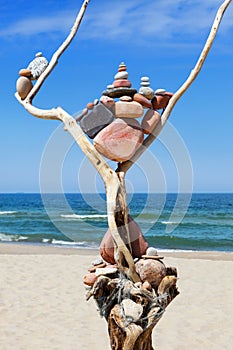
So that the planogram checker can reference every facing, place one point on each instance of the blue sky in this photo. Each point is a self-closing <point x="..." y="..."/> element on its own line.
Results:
<point x="160" y="39"/>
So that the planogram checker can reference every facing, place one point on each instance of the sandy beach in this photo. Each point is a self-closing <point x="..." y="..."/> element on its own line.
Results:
<point x="43" y="306"/>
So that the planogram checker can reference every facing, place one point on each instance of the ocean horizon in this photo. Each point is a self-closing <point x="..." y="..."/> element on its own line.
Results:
<point x="198" y="221"/>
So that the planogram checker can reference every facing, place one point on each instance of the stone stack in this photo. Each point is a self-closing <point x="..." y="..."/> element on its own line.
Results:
<point x="121" y="86"/>
<point x="111" y="121"/>
<point x="145" y="88"/>
<point x="121" y="78"/>
<point x="35" y="68"/>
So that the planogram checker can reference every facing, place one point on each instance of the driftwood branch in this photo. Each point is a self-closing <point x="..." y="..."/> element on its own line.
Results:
<point x="125" y="166"/>
<point x="121" y="296"/>
<point x="58" y="53"/>
<point x="110" y="178"/>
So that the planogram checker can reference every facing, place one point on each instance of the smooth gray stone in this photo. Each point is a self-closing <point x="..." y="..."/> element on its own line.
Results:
<point x="96" y="119"/>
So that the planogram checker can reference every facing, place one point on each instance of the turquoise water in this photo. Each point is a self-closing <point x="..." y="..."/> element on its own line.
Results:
<point x="80" y="220"/>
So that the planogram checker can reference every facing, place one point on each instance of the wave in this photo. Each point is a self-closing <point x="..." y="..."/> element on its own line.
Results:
<point x="38" y="239"/>
<point x="8" y="212"/>
<point x="12" y="238"/>
<point x="85" y="216"/>
<point x="170" y="222"/>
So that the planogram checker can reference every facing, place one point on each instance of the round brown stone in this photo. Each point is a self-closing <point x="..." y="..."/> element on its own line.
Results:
<point x="142" y="100"/>
<point x="25" y="72"/>
<point x="23" y="87"/>
<point x="90" y="278"/>
<point x="90" y="105"/>
<point x="138" y="243"/>
<point x="151" y="270"/>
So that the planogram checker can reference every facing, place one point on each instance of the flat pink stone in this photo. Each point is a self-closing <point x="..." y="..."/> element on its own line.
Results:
<point x="119" y="140"/>
<point x="124" y="109"/>
<point x="121" y="83"/>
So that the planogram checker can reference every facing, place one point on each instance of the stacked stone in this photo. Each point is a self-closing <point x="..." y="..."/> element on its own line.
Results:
<point x="112" y="124"/>
<point x="121" y="86"/>
<point x="161" y="99"/>
<point x="35" y="68"/>
<point x="121" y="78"/>
<point x="145" y="88"/>
<point x="120" y="140"/>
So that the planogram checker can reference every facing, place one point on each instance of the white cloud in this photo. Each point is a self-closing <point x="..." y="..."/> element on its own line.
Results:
<point x="59" y="22"/>
<point x="143" y="21"/>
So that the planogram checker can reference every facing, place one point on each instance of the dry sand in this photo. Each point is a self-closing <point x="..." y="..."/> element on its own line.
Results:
<point x="43" y="306"/>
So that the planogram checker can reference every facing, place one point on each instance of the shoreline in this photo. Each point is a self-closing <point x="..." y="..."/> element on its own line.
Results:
<point x="15" y="248"/>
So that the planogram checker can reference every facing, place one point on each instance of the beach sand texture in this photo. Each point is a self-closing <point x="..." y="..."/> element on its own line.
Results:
<point x="43" y="306"/>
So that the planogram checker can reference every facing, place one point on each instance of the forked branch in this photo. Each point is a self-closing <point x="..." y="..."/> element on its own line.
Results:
<point x="110" y="177"/>
<point x="125" y="166"/>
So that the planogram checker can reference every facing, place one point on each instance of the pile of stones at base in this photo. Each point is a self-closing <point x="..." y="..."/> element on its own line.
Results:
<point x="111" y="120"/>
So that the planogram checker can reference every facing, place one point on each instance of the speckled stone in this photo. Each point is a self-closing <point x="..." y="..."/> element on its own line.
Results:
<point x="119" y="140"/>
<point x="138" y="242"/>
<point x="37" y="66"/>
<point x="151" y="270"/>
<point x="150" y="120"/>
<point x="23" y="86"/>
<point x="124" y="109"/>
<point x="96" y="119"/>
<point x="142" y="100"/>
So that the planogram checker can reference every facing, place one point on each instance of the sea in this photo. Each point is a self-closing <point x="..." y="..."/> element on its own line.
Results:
<point x="197" y="222"/>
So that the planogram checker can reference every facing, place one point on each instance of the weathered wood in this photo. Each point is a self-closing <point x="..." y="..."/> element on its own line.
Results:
<point x="109" y="293"/>
<point x="128" y="328"/>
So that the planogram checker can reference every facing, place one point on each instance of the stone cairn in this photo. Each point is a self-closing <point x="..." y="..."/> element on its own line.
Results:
<point x="118" y="123"/>
<point x="112" y="123"/>
<point x="32" y="72"/>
